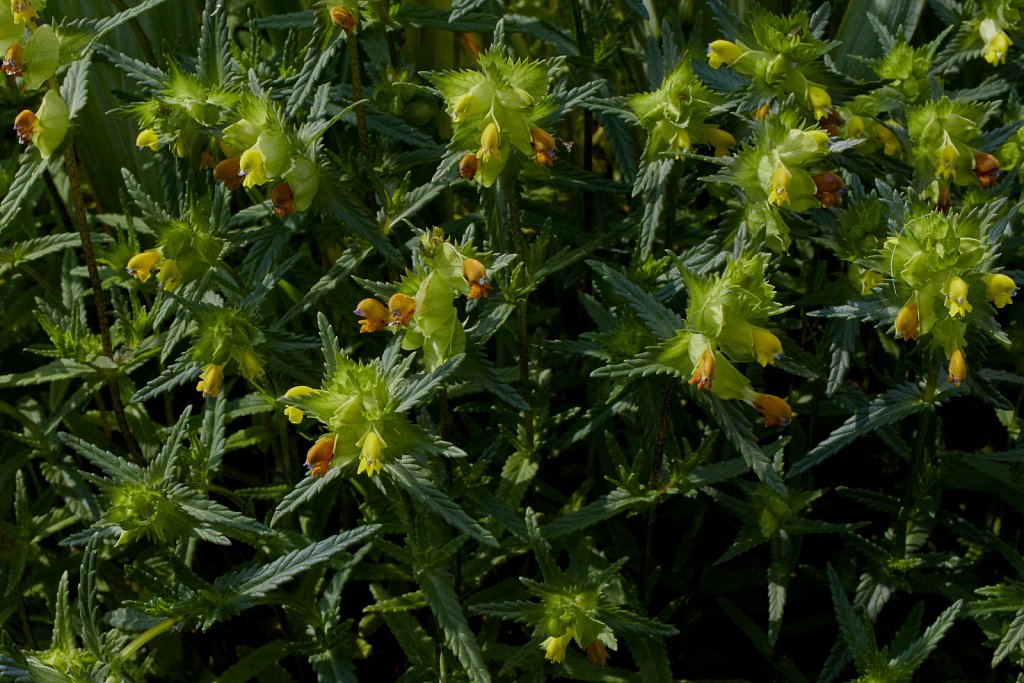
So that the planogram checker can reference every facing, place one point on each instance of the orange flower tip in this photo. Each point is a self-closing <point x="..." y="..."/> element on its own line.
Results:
<point x="704" y="371"/>
<point x="206" y="160"/>
<point x="13" y="64"/>
<point x="281" y="198"/>
<point x="375" y="315"/>
<point x="596" y="653"/>
<point x="319" y="456"/>
<point x="986" y="169"/>
<point x="401" y="307"/>
<point x="774" y="409"/>
<point x="476" y="275"/>
<point x="761" y="113"/>
<point x="957" y="367"/>
<point x="24" y="126"/>
<point x="343" y="19"/>
<point x="468" y="166"/>
<point x="227" y="172"/>
<point x="830" y="189"/>
<point x="543" y="146"/>
<point x="907" y="322"/>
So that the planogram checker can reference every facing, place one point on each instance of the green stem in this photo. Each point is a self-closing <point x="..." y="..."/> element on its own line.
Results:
<point x="71" y="167"/>
<point x="357" y="94"/>
<point x="588" y="117"/>
<point x="519" y="242"/>
<point x="148" y="635"/>
<point x="918" y="465"/>
<point x="657" y="464"/>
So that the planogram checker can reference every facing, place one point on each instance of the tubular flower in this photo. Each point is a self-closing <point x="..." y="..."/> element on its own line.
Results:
<point x="869" y="280"/>
<point x="24" y="126"/>
<point x="343" y="19"/>
<point x="206" y="160"/>
<point x="999" y="289"/>
<point x="723" y="52"/>
<point x="543" y="146"/>
<point x="169" y="275"/>
<point x="704" y="371"/>
<point x="319" y="456"/>
<point x="765" y="345"/>
<point x="229" y="173"/>
<point x="596" y="653"/>
<point x="467" y="166"/>
<point x="986" y="168"/>
<point x="141" y="265"/>
<point x="681" y="142"/>
<point x="947" y="159"/>
<point x="907" y="322"/>
<point x="761" y="113"/>
<point x="957" y="367"/>
<point x="281" y="198"/>
<point x="13" y="64"/>
<point x="210" y="380"/>
<point x="956" y="297"/>
<point x="293" y="413"/>
<point x="375" y="316"/>
<point x="476" y="275"/>
<point x="401" y="306"/>
<point x="490" y="139"/>
<point x="369" y="455"/>
<point x="829" y="189"/>
<point x="554" y="647"/>
<point x="888" y="141"/>
<point x="147" y="138"/>
<point x="778" y="192"/>
<point x="23" y="11"/>
<point x="461" y="106"/>
<point x="721" y="140"/>
<point x="820" y="100"/>
<point x="856" y="128"/>
<point x="997" y="43"/>
<point x="775" y="410"/>
<point x="252" y="168"/>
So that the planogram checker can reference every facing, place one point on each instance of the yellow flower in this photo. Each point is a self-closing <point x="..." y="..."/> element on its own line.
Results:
<point x="369" y="455"/>
<point x="210" y="380"/>
<point x="543" y="146"/>
<point x="461" y="106"/>
<point x="957" y="367"/>
<point x="294" y="413"/>
<point x="820" y="100"/>
<point x="869" y="280"/>
<point x="147" y="138"/>
<point x="490" y="140"/>
<point x="681" y="142"/>
<point x="25" y="126"/>
<point x="476" y="275"/>
<point x="554" y="648"/>
<point x="886" y="139"/>
<point x="23" y="11"/>
<point x="319" y="456"/>
<point x="704" y="371"/>
<point x="721" y="140"/>
<point x="997" y="43"/>
<point x="956" y="297"/>
<point x="778" y="193"/>
<point x="14" y="63"/>
<point x="375" y="316"/>
<point x="252" y="366"/>
<point x="765" y="345"/>
<point x="723" y="52"/>
<point x="907" y="322"/>
<point x="402" y="307"/>
<point x="948" y="155"/>
<point x="252" y="167"/>
<point x="856" y="128"/>
<point x="774" y="409"/>
<point x="169" y="275"/>
<point x="141" y="265"/>
<point x="999" y="289"/>
<point x="343" y="19"/>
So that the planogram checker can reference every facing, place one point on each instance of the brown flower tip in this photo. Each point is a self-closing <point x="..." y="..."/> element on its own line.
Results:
<point x="24" y="125"/>
<point x="596" y="653"/>
<point x="832" y="123"/>
<point x="468" y="166"/>
<point x="986" y="168"/>
<point x="375" y="316"/>
<point x="13" y="64"/>
<point x="476" y="275"/>
<point x="943" y="200"/>
<point x="206" y="160"/>
<point x="281" y="198"/>
<point x="543" y="146"/>
<point x="344" y="19"/>
<point x="829" y="189"/>
<point x="774" y="409"/>
<point x="319" y="456"/>
<point x="402" y="307"/>
<point x="227" y="172"/>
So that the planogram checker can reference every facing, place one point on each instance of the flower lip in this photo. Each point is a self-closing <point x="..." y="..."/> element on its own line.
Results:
<point x="986" y="169"/>
<point x="319" y="457"/>
<point x="999" y="289"/>
<point x="25" y="126"/>
<point x="210" y="380"/>
<point x="375" y="315"/>
<point x="13" y="64"/>
<point x="774" y="409"/>
<point x="704" y="371"/>
<point x="402" y="307"/>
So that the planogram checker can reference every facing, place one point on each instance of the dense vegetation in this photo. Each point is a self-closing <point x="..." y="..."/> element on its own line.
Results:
<point x="622" y="340"/>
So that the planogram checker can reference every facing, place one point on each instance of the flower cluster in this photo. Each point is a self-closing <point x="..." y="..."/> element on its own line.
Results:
<point x="497" y="110"/>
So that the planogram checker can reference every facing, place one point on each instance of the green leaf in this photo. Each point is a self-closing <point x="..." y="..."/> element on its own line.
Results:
<point x="412" y="392"/>
<point x="262" y="658"/>
<point x="30" y="170"/>
<point x="437" y="585"/>
<point x="303" y="492"/>
<point x="60" y="369"/>
<point x="112" y="465"/>
<point x="659" y="319"/>
<point x="606" y="507"/>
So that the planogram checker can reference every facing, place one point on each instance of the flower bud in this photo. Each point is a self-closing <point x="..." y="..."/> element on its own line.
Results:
<point x="375" y="316"/>
<point x="543" y="146"/>
<point x="907" y="322"/>
<point x="369" y="454"/>
<point x="761" y="113"/>
<point x="147" y="138"/>
<point x="723" y="52"/>
<point x="704" y="371"/>
<point x="141" y="265"/>
<point x="986" y="168"/>
<point x="476" y="275"/>
<point x="281" y="199"/>
<point x="319" y="457"/>
<point x="229" y="173"/>
<point x="956" y="296"/>
<point x="343" y="19"/>
<point x="774" y="409"/>
<point x="210" y="380"/>
<point x="467" y="166"/>
<point x="999" y="289"/>
<point x="766" y="346"/>
<point x="294" y="413"/>
<point x="829" y="189"/>
<point x="401" y="307"/>
<point x="957" y="367"/>
<point x="14" y="60"/>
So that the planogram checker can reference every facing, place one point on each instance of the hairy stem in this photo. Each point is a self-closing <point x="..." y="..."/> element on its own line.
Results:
<point x="146" y="636"/>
